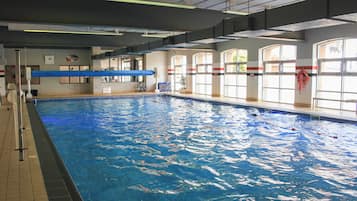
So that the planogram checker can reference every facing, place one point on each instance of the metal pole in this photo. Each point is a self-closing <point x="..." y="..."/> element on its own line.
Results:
<point x="19" y="106"/>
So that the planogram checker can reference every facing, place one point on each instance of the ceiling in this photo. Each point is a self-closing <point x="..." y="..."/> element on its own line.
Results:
<point x="130" y="20"/>
<point x="244" y="6"/>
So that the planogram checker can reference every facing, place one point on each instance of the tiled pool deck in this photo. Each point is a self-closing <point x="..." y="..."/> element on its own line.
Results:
<point x="19" y="180"/>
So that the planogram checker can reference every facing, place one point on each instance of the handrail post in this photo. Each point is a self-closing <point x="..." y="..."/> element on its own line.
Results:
<point x="19" y="106"/>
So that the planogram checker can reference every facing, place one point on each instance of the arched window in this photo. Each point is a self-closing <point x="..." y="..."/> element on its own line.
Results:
<point x="203" y="63"/>
<point x="279" y="73"/>
<point x="178" y="64"/>
<point x="235" y="77"/>
<point x="337" y="74"/>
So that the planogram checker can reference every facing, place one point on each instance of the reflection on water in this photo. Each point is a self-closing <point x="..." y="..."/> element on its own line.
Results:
<point x="163" y="148"/>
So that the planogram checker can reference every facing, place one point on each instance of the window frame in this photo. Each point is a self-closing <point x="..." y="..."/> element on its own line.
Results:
<point x="183" y="73"/>
<point x="81" y="79"/>
<point x="238" y="73"/>
<point x="280" y="73"/>
<point x="341" y="75"/>
<point x="206" y="74"/>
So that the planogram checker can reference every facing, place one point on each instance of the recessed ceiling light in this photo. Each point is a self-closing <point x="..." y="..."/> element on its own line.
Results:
<point x="235" y="12"/>
<point x="155" y="3"/>
<point x="72" y="32"/>
<point x="155" y="35"/>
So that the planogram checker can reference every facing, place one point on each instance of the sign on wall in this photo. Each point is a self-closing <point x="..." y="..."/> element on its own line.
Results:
<point x="49" y="60"/>
<point x="72" y="58"/>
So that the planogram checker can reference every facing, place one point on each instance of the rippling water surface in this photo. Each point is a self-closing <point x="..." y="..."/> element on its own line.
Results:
<point x="159" y="148"/>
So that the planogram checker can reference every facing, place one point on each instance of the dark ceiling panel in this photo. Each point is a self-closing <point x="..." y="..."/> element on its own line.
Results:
<point x="106" y="13"/>
<point x="344" y="9"/>
<point x="307" y="14"/>
<point x="22" y="39"/>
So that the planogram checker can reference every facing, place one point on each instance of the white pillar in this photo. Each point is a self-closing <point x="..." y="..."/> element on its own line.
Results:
<point x="303" y="97"/>
<point x="254" y="78"/>
<point x="96" y="82"/>
<point x="217" y="75"/>
<point x="2" y="74"/>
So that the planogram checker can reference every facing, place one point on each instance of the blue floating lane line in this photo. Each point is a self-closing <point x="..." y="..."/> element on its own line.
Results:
<point x="91" y="73"/>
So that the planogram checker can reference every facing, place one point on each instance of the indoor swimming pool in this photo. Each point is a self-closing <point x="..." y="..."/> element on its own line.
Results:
<point x="161" y="148"/>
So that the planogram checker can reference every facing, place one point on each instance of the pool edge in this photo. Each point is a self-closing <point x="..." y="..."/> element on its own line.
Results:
<point x="322" y="116"/>
<point x="58" y="182"/>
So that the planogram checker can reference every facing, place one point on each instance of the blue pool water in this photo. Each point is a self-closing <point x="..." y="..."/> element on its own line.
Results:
<point x="160" y="148"/>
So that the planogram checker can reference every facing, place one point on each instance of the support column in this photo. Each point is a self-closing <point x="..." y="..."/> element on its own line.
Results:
<point x="254" y="80"/>
<point x="2" y="74"/>
<point x="96" y="82"/>
<point x="217" y="75"/>
<point x="190" y="74"/>
<point x="217" y="81"/>
<point x="171" y="78"/>
<point x="304" y="96"/>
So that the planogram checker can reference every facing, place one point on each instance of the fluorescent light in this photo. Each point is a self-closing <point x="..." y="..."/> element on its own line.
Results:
<point x="155" y="35"/>
<point x="235" y="12"/>
<point x="73" y="32"/>
<point x="155" y="3"/>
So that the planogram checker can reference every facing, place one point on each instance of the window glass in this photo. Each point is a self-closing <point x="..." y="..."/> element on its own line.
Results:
<point x="74" y="80"/>
<point x="271" y="81"/>
<point x="272" y="67"/>
<point x="84" y="79"/>
<point x="231" y="91"/>
<point x="231" y="68"/>
<point x="272" y="53"/>
<point x="242" y="92"/>
<point x="271" y="95"/>
<point x="329" y="83"/>
<point x="201" y="69"/>
<point x="350" y="84"/>
<point x="242" y="56"/>
<point x="230" y="79"/>
<point x="230" y="56"/>
<point x="114" y="63"/>
<point x="347" y="105"/>
<point x="288" y="52"/>
<point x="329" y="95"/>
<point x="242" y="80"/>
<point x="178" y="69"/>
<point x="351" y="67"/>
<point x="287" y="96"/>
<point x="64" y="80"/>
<point x="209" y="58"/>
<point x="279" y="86"/>
<point x="242" y="68"/>
<point x="179" y="60"/>
<point x="351" y="48"/>
<point x="332" y="49"/>
<point x="330" y="66"/>
<point x="341" y="63"/>
<point x="287" y="81"/>
<point x="289" y="67"/>
<point x="104" y="63"/>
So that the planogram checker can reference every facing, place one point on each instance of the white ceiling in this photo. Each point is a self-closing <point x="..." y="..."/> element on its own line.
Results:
<point x="247" y="6"/>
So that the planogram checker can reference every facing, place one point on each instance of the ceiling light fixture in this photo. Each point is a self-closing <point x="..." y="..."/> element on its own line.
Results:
<point x="155" y="3"/>
<point x="235" y="12"/>
<point x="155" y="35"/>
<point x="73" y="32"/>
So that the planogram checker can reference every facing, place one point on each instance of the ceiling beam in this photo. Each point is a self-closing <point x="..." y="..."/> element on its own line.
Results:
<point x="22" y="39"/>
<point x="107" y="13"/>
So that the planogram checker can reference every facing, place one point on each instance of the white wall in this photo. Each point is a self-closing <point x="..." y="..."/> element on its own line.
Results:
<point x="51" y="86"/>
<point x="156" y="61"/>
